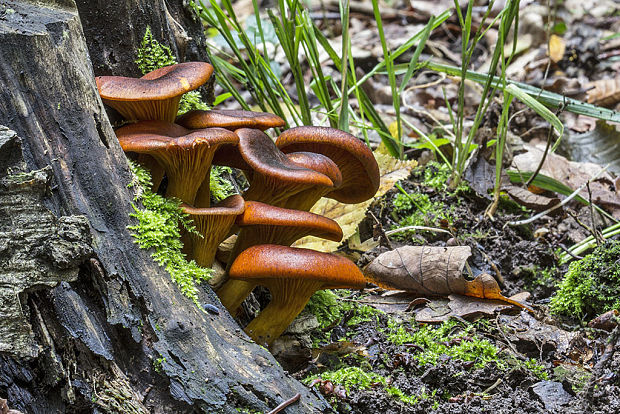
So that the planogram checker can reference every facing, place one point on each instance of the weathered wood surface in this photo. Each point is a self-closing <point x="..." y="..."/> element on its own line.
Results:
<point x="97" y="337"/>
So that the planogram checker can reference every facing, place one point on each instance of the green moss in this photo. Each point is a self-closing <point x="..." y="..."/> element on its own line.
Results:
<point x="159" y="223"/>
<point x="327" y="306"/>
<point x="153" y="55"/>
<point x="592" y="285"/>
<point x="158" y="363"/>
<point x="356" y="378"/>
<point x="445" y="339"/>
<point x="538" y="370"/>
<point x="220" y="187"/>
<point x="417" y="209"/>
<point x="436" y="176"/>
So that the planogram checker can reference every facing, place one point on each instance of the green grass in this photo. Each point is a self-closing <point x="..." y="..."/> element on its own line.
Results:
<point x="159" y="228"/>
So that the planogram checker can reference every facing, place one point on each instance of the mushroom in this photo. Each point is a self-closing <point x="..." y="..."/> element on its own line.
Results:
<point x="264" y="224"/>
<point x="185" y="155"/>
<point x="292" y="276"/>
<point x="360" y="172"/>
<point x="304" y="200"/>
<point x="156" y="95"/>
<point x="230" y="119"/>
<point x="213" y="224"/>
<point x="274" y="177"/>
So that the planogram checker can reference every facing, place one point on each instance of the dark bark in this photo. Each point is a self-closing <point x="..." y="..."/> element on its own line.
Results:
<point x="96" y="335"/>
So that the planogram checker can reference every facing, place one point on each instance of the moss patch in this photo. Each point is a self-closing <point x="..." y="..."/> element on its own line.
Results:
<point x="159" y="223"/>
<point x="153" y="55"/>
<point x="592" y="285"/>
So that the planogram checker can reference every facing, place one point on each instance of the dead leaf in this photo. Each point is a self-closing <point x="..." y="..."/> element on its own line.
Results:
<point x="433" y="271"/>
<point x="606" y="321"/>
<point x="604" y="92"/>
<point x="600" y="146"/>
<point x="557" y="47"/>
<point x="528" y="199"/>
<point x="349" y="216"/>
<point x="460" y="306"/>
<point x="573" y="174"/>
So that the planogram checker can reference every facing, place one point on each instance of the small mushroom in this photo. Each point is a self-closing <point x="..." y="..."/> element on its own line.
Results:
<point x="264" y="224"/>
<point x="156" y="95"/>
<point x="360" y="172"/>
<point x="213" y="224"/>
<point x="184" y="154"/>
<point x="292" y="275"/>
<point x="230" y="119"/>
<point x="274" y="177"/>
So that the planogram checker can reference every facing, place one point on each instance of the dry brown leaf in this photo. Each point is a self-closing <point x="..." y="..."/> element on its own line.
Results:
<point x="431" y="271"/>
<point x="528" y="199"/>
<point x="349" y="216"/>
<point x="460" y="306"/>
<point x="557" y="47"/>
<point x="604" y="92"/>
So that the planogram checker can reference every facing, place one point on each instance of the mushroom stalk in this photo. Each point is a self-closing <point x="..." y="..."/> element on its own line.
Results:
<point x="289" y="298"/>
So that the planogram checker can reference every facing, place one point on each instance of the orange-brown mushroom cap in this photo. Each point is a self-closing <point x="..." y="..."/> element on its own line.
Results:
<point x="292" y="276"/>
<point x="156" y="95"/>
<point x="265" y="224"/>
<point x="360" y="172"/>
<point x="274" y="176"/>
<point x="213" y="224"/>
<point x="229" y="119"/>
<point x="184" y="154"/>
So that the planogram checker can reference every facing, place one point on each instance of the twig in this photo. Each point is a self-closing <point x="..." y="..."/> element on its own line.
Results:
<point x="424" y="228"/>
<point x="285" y="404"/>
<point x="565" y="201"/>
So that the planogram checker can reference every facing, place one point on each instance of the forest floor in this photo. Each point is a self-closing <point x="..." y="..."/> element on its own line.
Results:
<point x="377" y="351"/>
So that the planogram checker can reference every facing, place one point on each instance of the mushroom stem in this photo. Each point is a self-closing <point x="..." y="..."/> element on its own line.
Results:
<point x="157" y="171"/>
<point x="233" y="293"/>
<point x="288" y="299"/>
<point x="186" y="170"/>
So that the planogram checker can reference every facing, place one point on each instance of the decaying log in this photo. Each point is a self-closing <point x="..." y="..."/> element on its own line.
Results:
<point x="115" y="334"/>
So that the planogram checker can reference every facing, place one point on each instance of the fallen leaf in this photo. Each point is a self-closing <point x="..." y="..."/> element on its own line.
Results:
<point x="604" y="92"/>
<point x="349" y="216"/>
<point x="600" y="146"/>
<point x="460" y="306"/>
<point x="572" y="174"/>
<point x="557" y="47"/>
<point x="433" y="271"/>
<point x="528" y="199"/>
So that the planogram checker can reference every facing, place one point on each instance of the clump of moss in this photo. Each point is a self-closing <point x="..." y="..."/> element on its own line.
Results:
<point x="328" y="307"/>
<point x="592" y="285"/>
<point x="446" y="339"/>
<point x="159" y="223"/>
<point x="220" y="187"/>
<point x="355" y="377"/>
<point x="417" y="209"/>
<point x="153" y="55"/>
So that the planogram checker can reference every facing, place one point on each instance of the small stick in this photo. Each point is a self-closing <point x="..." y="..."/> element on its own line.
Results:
<point x="285" y="404"/>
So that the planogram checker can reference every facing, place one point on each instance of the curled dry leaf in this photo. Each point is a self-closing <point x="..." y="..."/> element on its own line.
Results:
<point x="430" y="270"/>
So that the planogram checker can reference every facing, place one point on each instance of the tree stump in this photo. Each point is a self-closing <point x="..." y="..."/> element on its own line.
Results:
<point x="105" y="330"/>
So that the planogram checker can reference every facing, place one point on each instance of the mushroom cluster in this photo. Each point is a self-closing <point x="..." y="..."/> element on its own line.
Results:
<point x="286" y="178"/>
